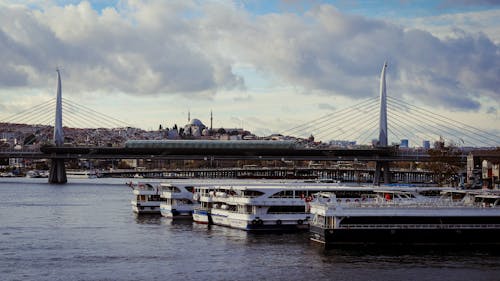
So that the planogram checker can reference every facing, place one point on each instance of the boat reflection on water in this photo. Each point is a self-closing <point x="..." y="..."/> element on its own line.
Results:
<point x="148" y="219"/>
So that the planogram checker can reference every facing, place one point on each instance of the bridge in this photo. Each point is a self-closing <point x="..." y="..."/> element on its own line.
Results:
<point x="389" y="154"/>
<point x="358" y="116"/>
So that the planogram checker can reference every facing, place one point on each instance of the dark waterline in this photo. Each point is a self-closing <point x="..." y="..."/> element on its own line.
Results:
<point x="85" y="230"/>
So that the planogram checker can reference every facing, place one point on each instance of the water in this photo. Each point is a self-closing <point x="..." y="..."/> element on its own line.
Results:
<point x="85" y="230"/>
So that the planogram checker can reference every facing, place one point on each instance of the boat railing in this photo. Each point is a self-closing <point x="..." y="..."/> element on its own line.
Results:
<point x="228" y="195"/>
<point x="197" y="207"/>
<point x="255" y="200"/>
<point x="419" y="203"/>
<point x="144" y="188"/>
<point x="288" y="213"/>
<point x="231" y="211"/>
<point x="419" y="226"/>
<point x="184" y="205"/>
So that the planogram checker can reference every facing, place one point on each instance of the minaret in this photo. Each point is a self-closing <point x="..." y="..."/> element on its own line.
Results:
<point x="382" y="139"/>
<point x="58" y="129"/>
<point x="211" y="120"/>
<point x="189" y="116"/>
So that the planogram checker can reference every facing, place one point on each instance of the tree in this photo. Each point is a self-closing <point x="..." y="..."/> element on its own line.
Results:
<point x="446" y="164"/>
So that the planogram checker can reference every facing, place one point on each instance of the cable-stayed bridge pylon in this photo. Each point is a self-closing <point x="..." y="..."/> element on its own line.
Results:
<point x="420" y="127"/>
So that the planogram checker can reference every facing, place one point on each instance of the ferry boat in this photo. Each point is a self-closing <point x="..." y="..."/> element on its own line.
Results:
<point x="173" y="194"/>
<point x="204" y="195"/>
<point x="147" y="198"/>
<point x="91" y="174"/>
<point x="401" y="218"/>
<point x="178" y="200"/>
<point x="202" y="212"/>
<point x="265" y="206"/>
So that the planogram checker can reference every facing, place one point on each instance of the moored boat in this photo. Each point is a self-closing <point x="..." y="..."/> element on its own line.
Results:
<point x="266" y="206"/>
<point x="90" y="174"/>
<point x="178" y="201"/>
<point x="401" y="218"/>
<point x="147" y="198"/>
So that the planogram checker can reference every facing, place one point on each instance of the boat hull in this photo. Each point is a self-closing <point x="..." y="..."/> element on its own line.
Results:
<point x="202" y="217"/>
<point x="274" y="227"/>
<point x="257" y="225"/>
<point x="175" y="214"/>
<point x="146" y="209"/>
<point x="374" y="237"/>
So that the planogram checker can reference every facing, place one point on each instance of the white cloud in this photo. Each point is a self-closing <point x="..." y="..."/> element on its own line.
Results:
<point x="173" y="49"/>
<point x="458" y="24"/>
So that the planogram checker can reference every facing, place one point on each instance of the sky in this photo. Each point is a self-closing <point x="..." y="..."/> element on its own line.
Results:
<point x="262" y="65"/>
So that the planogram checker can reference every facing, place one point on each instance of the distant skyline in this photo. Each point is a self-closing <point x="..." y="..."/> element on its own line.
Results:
<point x="262" y="65"/>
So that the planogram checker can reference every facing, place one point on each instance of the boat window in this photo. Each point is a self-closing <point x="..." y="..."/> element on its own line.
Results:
<point x="457" y="196"/>
<point x="204" y="191"/>
<point x="154" y="198"/>
<point x="175" y="189"/>
<point x="350" y="194"/>
<point x="252" y="193"/>
<point x="283" y="194"/>
<point x="433" y="192"/>
<point x="190" y="188"/>
<point x="286" y="209"/>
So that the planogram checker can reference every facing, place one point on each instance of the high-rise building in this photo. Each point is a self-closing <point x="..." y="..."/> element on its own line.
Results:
<point x="426" y="144"/>
<point x="404" y="143"/>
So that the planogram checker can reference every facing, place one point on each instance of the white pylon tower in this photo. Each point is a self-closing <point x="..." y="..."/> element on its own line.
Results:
<point x="57" y="172"/>
<point x="382" y="167"/>
<point x="382" y="138"/>
<point x="58" y="128"/>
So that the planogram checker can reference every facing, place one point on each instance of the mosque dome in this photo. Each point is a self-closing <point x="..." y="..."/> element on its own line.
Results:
<point x="196" y="122"/>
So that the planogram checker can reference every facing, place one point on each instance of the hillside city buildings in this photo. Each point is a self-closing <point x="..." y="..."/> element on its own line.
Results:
<point x="25" y="137"/>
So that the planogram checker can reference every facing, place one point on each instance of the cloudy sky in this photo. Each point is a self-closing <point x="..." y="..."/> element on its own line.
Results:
<point x="263" y="65"/>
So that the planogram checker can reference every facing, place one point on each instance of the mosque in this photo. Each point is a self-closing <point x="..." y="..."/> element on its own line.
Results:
<point x="195" y="129"/>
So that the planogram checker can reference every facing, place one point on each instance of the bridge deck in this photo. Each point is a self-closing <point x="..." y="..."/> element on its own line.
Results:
<point x="375" y="154"/>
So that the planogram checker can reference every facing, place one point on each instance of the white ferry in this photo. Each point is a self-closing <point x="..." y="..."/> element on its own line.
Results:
<point x="91" y="174"/>
<point x="204" y="195"/>
<point x="401" y="218"/>
<point x="176" y="195"/>
<point x="266" y="206"/>
<point x="147" y="198"/>
<point x="179" y="202"/>
<point x="201" y="213"/>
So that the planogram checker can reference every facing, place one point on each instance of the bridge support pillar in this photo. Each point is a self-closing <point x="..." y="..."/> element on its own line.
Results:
<point x="382" y="169"/>
<point x="57" y="171"/>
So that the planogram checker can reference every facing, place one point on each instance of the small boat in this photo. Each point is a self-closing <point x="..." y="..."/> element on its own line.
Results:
<point x="33" y="174"/>
<point x="90" y="174"/>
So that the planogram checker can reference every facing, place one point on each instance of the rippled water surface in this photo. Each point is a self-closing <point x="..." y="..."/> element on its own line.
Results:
<point x="85" y="230"/>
